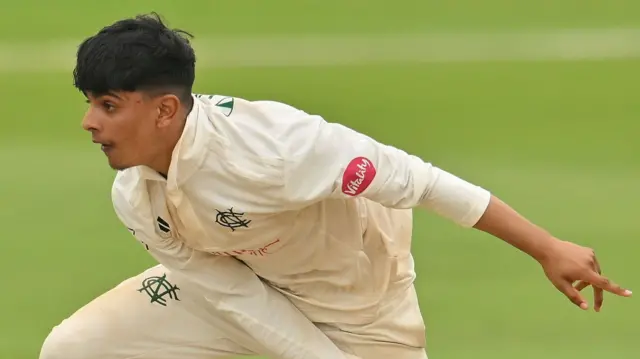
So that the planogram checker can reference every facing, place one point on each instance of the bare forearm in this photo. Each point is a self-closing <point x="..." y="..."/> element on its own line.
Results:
<point x="502" y="221"/>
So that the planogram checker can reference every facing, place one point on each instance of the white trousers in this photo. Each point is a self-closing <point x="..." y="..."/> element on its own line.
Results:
<point x="151" y="316"/>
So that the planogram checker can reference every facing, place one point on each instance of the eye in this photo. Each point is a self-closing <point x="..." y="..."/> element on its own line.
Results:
<point x="108" y="106"/>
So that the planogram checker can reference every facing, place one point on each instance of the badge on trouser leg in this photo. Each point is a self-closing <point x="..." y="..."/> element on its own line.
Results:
<point x="148" y="316"/>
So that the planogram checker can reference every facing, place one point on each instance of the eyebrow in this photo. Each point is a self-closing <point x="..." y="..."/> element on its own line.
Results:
<point x="111" y="93"/>
<point x="108" y="93"/>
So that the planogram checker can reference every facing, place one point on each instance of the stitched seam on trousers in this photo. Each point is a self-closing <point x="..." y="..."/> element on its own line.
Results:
<point x="380" y="341"/>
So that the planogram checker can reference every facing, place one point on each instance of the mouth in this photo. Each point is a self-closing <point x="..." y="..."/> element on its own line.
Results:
<point x="104" y="146"/>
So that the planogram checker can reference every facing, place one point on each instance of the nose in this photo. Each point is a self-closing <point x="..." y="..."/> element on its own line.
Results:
<point x="89" y="122"/>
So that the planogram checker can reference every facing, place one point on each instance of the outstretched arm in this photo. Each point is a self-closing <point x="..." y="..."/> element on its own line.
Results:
<point x="332" y="161"/>
<point x="564" y="263"/>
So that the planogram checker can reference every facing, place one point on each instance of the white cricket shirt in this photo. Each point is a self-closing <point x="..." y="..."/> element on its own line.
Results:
<point x="319" y="211"/>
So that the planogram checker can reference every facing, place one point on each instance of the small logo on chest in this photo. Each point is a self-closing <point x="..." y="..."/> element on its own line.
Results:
<point x="231" y="219"/>
<point x="164" y="227"/>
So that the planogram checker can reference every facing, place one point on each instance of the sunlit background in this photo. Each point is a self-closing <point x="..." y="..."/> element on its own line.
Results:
<point x="536" y="100"/>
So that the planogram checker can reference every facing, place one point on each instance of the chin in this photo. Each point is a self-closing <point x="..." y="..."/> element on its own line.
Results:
<point x="118" y="166"/>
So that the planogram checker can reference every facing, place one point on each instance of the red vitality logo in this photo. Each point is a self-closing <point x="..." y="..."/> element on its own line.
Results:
<point x="358" y="176"/>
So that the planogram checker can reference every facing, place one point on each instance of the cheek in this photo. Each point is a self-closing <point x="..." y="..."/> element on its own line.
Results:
<point x="142" y="130"/>
<point x="121" y="128"/>
<point x="131" y="126"/>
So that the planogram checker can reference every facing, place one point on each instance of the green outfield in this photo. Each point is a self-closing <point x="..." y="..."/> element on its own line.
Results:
<point x="556" y="139"/>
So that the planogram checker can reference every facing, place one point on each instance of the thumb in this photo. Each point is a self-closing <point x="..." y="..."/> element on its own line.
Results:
<point x="574" y="295"/>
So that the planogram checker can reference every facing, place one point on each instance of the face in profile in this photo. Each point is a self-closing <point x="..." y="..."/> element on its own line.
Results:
<point x="137" y="75"/>
<point x="125" y="125"/>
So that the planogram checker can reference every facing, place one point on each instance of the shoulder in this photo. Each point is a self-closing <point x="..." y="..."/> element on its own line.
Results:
<point x="263" y="128"/>
<point x="291" y="127"/>
<point x="251" y="110"/>
<point x="259" y="137"/>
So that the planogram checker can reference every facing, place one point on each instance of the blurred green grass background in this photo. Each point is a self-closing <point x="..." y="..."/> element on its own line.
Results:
<point x="556" y="139"/>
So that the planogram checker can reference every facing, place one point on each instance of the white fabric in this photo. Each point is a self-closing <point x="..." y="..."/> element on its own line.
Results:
<point x="156" y="315"/>
<point x="321" y="212"/>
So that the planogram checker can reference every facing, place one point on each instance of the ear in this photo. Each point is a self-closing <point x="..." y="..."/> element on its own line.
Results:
<point x="168" y="107"/>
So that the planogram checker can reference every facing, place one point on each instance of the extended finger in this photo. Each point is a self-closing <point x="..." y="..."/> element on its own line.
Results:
<point x="598" y="298"/>
<point x="598" y="293"/>
<point x="604" y="283"/>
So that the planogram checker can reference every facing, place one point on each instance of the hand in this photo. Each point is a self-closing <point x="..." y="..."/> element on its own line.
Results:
<point x="566" y="263"/>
